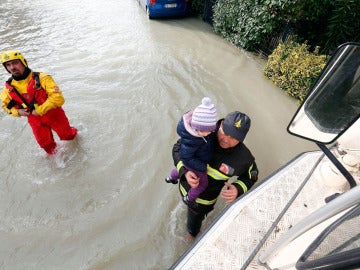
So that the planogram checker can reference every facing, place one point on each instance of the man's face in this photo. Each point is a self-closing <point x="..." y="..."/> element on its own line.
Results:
<point x="15" y="67"/>
<point x="225" y="141"/>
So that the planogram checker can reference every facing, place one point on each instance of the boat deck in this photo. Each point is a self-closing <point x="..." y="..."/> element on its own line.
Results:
<point x="256" y="220"/>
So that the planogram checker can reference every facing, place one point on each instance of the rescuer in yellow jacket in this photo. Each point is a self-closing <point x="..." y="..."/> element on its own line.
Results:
<point x="35" y="95"/>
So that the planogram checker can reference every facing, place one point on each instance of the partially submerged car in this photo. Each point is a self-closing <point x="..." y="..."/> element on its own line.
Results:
<point x="165" y="8"/>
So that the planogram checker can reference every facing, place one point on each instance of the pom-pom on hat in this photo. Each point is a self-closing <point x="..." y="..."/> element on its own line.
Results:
<point x="204" y="116"/>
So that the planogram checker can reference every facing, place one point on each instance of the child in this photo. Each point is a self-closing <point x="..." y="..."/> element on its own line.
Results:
<point x="195" y="129"/>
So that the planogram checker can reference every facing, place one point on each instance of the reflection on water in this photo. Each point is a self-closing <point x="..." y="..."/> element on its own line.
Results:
<point x="102" y="203"/>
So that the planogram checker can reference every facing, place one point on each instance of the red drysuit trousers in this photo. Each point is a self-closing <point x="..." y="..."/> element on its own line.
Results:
<point x="43" y="125"/>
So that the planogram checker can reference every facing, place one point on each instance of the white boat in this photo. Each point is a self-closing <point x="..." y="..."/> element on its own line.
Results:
<point x="306" y="215"/>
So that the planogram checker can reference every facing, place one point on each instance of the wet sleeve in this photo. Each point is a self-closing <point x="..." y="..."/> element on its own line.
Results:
<point x="177" y="160"/>
<point x="55" y="98"/>
<point x="5" y="100"/>
<point x="246" y="180"/>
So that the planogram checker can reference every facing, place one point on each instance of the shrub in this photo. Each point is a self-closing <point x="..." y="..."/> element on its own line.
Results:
<point x="294" y="69"/>
<point x="246" y="23"/>
<point x="344" y="24"/>
<point x="327" y="23"/>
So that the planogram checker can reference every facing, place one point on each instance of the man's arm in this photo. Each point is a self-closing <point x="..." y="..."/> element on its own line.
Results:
<point x="5" y="103"/>
<point x="177" y="161"/>
<point x="243" y="183"/>
<point x="54" y="95"/>
<point x="190" y="177"/>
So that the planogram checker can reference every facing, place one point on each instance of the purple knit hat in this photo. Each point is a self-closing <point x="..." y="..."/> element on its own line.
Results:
<point x="204" y="116"/>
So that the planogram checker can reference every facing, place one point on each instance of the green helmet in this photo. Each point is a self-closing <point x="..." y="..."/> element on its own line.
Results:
<point x="13" y="55"/>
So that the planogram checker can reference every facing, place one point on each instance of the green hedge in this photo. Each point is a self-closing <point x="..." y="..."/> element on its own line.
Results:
<point x="327" y="23"/>
<point x="294" y="69"/>
<point x="246" y="23"/>
<point x="324" y="23"/>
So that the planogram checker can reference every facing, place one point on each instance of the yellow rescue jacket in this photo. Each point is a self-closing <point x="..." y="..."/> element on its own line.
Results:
<point x="54" y="96"/>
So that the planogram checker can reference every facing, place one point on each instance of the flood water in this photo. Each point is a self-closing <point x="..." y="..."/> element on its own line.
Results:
<point x="102" y="203"/>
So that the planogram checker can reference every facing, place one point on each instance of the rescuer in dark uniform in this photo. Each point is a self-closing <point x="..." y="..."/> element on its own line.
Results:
<point x="230" y="158"/>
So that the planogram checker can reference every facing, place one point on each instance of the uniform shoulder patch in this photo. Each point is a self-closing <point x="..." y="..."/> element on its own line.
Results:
<point x="226" y="169"/>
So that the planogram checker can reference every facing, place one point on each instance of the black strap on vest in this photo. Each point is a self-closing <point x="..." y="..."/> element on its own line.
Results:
<point x="37" y="79"/>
